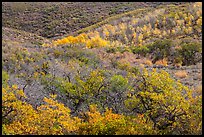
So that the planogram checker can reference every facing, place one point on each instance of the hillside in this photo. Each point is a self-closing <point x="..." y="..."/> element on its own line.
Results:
<point x="52" y="19"/>
<point x="116" y="69"/>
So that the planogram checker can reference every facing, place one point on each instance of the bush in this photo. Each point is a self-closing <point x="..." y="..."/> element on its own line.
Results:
<point x="118" y="83"/>
<point x="167" y="103"/>
<point x="123" y="49"/>
<point x="109" y="123"/>
<point x="110" y="50"/>
<point x="190" y="53"/>
<point x="5" y="77"/>
<point x="96" y="42"/>
<point x="141" y="50"/>
<point x="160" y="49"/>
<point x="181" y="74"/>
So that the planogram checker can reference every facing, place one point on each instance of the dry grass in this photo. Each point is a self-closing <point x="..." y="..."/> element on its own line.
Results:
<point x="181" y="74"/>
<point x="141" y="66"/>
<point x="162" y="62"/>
<point x="147" y="62"/>
<point x="177" y="47"/>
<point x="199" y="76"/>
<point x="198" y="90"/>
<point x="177" y="64"/>
<point x="143" y="61"/>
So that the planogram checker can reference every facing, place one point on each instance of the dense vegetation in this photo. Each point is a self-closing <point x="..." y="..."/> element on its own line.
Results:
<point x="101" y="81"/>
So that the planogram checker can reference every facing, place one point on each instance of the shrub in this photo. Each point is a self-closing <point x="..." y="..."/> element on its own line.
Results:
<point x="167" y="103"/>
<point x="123" y="64"/>
<point x="135" y="70"/>
<point x="19" y="117"/>
<point x="96" y="42"/>
<point x="141" y="50"/>
<point x="147" y="62"/>
<point x="190" y="53"/>
<point x="57" y="53"/>
<point x="101" y="124"/>
<point x="110" y="50"/>
<point x="123" y="49"/>
<point x="109" y="123"/>
<point x="162" y="62"/>
<point x="181" y="74"/>
<point x="118" y="83"/>
<point x="5" y="77"/>
<point x="160" y="49"/>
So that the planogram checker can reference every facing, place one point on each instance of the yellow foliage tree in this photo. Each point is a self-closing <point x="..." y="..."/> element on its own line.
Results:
<point x="21" y="118"/>
<point x="96" y="42"/>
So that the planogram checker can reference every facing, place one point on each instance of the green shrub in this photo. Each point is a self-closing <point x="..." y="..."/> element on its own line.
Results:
<point x="5" y="77"/>
<point x="123" y="49"/>
<point x="118" y="83"/>
<point x="142" y="50"/>
<point x="110" y="50"/>
<point x="160" y="49"/>
<point x="57" y="53"/>
<point x="190" y="53"/>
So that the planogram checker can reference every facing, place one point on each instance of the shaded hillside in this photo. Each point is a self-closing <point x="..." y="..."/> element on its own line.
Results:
<point x="53" y="19"/>
<point x="10" y="34"/>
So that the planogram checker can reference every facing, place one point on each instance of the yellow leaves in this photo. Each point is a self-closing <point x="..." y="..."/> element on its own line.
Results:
<point x="144" y="28"/>
<point x="96" y="42"/>
<point x="110" y="28"/>
<point x="35" y="75"/>
<point x="164" y="33"/>
<point x="71" y="40"/>
<point x="178" y="22"/>
<point x="176" y="16"/>
<point x="106" y="123"/>
<point x="46" y="115"/>
<point x="199" y="21"/>
<point x="20" y="93"/>
<point x="53" y="96"/>
<point x="106" y="32"/>
<point x="129" y="95"/>
<point x="191" y="17"/>
<point x="45" y="45"/>
<point x="187" y="19"/>
<point x="140" y="37"/>
<point x="42" y="73"/>
<point x="173" y="31"/>
<point x="197" y="4"/>
<point x="92" y="108"/>
<point x="156" y="31"/>
<point x="122" y="26"/>
<point x="134" y="21"/>
<point x="14" y="87"/>
<point x="134" y="35"/>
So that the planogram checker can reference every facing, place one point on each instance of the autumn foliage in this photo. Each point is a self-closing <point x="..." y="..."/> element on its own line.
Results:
<point x="111" y="80"/>
<point x="160" y="105"/>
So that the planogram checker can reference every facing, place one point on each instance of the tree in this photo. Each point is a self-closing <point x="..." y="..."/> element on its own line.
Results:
<point x="163" y="101"/>
<point x="20" y="117"/>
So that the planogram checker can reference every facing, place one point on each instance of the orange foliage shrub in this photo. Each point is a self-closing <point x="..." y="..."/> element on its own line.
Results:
<point x="162" y="62"/>
<point x="147" y="62"/>
<point x="181" y="74"/>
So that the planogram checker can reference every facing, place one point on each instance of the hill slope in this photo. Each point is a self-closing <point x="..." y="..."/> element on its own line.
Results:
<point x="51" y="19"/>
<point x="138" y="72"/>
